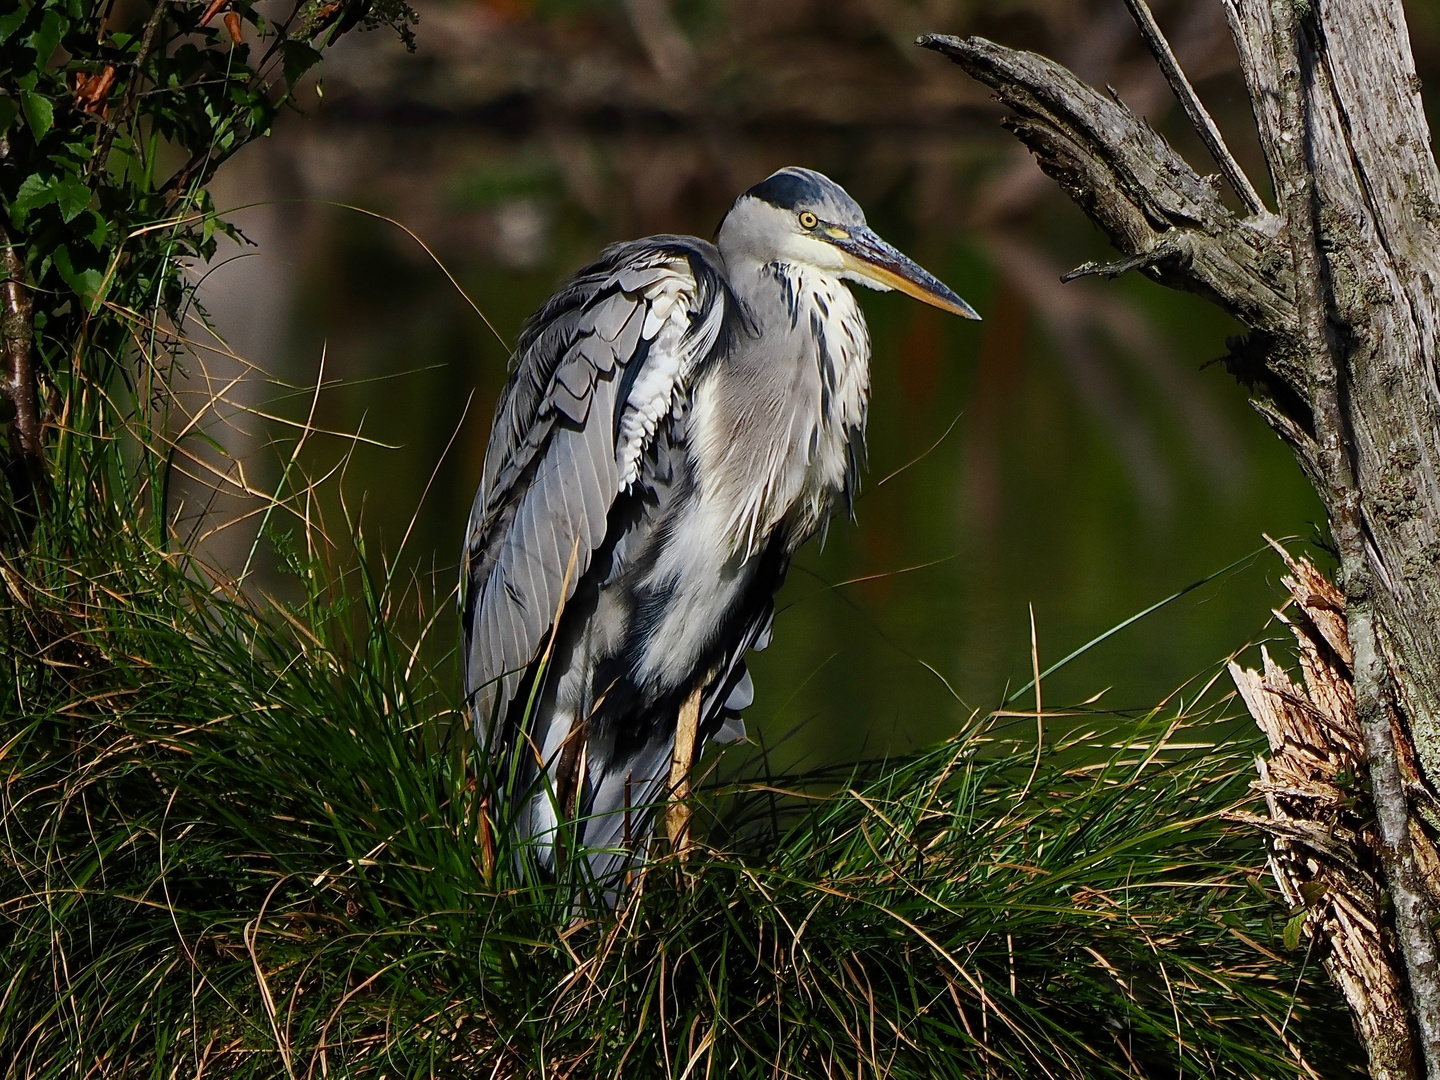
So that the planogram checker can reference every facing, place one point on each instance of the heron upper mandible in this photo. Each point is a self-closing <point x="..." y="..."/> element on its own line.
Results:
<point x="680" y="418"/>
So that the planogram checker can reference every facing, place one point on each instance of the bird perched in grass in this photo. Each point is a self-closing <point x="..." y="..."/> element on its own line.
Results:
<point x="680" y="418"/>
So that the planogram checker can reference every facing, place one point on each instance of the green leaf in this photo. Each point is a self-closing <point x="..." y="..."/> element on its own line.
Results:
<point x="298" y="59"/>
<point x="85" y="282"/>
<point x="72" y="196"/>
<point x="12" y="21"/>
<point x="97" y="231"/>
<point x="47" y="39"/>
<point x="35" y="190"/>
<point x="1293" y="926"/>
<point x="1312" y="891"/>
<point x="38" y="111"/>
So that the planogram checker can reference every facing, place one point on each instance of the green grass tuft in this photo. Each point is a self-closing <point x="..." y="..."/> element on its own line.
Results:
<point x="244" y="841"/>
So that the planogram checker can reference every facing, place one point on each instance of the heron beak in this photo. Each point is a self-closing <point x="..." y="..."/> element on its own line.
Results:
<point x="871" y="258"/>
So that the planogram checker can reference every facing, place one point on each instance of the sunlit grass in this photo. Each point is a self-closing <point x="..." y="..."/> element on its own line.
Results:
<point x="240" y="841"/>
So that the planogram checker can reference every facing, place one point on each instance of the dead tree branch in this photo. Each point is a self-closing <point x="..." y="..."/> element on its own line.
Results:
<point x="1190" y="101"/>
<point x="1341" y="295"/>
<point x="1134" y="186"/>
<point x="1299" y="198"/>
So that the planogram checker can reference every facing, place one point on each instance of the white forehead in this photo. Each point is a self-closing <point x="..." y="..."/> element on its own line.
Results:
<point x="755" y="229"/>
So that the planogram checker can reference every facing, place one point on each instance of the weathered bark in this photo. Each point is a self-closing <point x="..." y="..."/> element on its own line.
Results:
<point x="26" y="466"/>
<point x="1340" y="291"/>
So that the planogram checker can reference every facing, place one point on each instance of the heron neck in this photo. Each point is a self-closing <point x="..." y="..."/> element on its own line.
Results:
<point x="777" y="292"/>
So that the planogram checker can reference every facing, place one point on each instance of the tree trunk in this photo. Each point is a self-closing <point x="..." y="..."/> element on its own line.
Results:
<point x="1340" y="292"/>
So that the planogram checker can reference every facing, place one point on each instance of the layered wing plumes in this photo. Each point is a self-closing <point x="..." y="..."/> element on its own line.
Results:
<point x="584" y="473"/>
<point x="595" y="369"/>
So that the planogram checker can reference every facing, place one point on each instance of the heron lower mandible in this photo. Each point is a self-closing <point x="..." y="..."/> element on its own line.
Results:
<point x="680" y="418"/>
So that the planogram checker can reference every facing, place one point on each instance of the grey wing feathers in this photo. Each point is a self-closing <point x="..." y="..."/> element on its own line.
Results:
<point x="553" y="466"/>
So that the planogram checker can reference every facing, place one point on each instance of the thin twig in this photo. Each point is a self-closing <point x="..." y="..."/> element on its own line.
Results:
<point x="669" y="50"/>
<point x="1039" y="706"/>
<point x="1200" y="119"/>
<point x="126" y="111"/>
<point x="1296" y="178"/>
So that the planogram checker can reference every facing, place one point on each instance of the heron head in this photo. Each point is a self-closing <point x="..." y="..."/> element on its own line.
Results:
<point x="801" y="216"/>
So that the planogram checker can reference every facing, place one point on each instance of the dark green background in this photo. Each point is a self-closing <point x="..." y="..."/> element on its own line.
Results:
<point x="1037" y="496"/>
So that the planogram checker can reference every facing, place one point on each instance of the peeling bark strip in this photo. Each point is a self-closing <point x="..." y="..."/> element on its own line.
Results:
<point x="1323" y="838"/>
<point x="1344" y="367"/>
<point x="677" y="811"/>
<point x="18" y="319"/>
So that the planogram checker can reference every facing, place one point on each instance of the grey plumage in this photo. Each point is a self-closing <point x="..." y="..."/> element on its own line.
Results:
<point x="681" y="416"/>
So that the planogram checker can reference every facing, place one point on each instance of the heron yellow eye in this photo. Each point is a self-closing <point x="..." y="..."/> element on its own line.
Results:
<point x="808" y="220"/>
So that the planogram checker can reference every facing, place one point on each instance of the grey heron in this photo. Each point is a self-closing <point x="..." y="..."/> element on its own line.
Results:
<point x="681" y="416"/>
